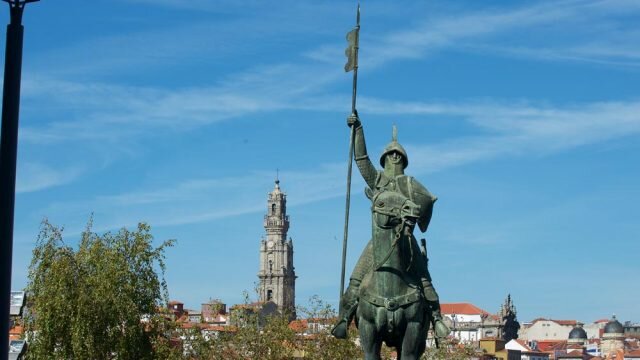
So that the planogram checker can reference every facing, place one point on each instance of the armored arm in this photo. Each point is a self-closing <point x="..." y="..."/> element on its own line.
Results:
<point x="367" y="170"/>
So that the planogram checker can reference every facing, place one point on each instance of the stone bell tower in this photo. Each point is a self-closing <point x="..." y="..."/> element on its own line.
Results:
<point x="277" y="274"/>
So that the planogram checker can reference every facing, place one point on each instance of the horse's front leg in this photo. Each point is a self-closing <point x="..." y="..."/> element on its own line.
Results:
<point x="368" y="340"/>
<point x="415" y="333"/>
<point x="414" y="342"/>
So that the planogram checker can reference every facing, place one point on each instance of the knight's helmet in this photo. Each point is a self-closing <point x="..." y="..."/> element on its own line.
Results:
<point x="394" y="146"/>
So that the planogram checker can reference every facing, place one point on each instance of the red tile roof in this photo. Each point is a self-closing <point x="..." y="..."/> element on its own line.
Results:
<point x="566" y="322"/>
<point x="210" y="327"/>
<point x="559" y="322"/>
<point x="461" y="308"/>
<point x="524" y="344"/>
<point x="16" y="332"/>
<point x="550" y="345"/>
<point x="298" y="325"/>
<point x="635" y="353"/>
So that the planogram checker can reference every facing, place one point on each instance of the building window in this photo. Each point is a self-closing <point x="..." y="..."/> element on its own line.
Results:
<point x="270" y="266"/>
<point x="273" y="209"/>
<point x="269" y="295"/>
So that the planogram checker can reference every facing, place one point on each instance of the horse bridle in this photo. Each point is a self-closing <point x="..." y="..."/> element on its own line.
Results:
<point x="406" y="224"/>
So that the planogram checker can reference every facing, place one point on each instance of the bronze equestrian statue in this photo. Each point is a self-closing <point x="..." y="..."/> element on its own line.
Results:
<point x="390" y="292"/>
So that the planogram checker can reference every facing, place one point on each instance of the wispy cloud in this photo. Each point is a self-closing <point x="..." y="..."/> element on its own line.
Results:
<point x="295" y="85"/>
<point x="505" y="131"/>
<point x="93" y="111"/>
<point x="515" y="129"/>
<point x="595" y="34"/>
<point x="621" y="56"/>
<point x="99" y="110"/>
<point x="201" y="200"/>
<point x="35" y="176"/>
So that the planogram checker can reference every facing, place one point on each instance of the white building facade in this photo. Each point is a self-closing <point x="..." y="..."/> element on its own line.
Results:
<point x="546" y="329"/>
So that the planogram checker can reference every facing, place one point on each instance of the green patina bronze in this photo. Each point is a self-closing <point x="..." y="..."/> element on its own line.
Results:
<point x="390" y="292"/>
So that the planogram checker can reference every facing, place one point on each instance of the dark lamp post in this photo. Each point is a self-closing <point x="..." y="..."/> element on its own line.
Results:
<point x="8" y="156"/>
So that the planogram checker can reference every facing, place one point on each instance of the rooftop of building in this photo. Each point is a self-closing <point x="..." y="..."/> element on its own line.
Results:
<point x="461" y="309"/>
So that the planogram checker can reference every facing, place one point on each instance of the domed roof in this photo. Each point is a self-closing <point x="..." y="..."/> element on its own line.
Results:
<point x="578" y="333"/>
<point x="613" y="327"/>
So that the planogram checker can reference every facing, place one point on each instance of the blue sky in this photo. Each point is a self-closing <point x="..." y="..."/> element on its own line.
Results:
<point x="523" y="117"/>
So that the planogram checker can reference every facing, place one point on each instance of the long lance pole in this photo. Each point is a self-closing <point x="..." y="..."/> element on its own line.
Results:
<point x="350" y="166"/>
<point x="8" y="158"/>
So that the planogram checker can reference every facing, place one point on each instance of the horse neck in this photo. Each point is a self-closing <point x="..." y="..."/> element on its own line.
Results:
<point x="388" y="245"/>
<point x="390" y="273"/>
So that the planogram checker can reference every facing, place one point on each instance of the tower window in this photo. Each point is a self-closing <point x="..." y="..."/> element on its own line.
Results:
<point x="273" y="209"/>
<point x="270" y="266"/>
<point x="269" y="295"/>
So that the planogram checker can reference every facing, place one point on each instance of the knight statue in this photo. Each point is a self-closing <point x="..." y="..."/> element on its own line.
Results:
<point x="386" y="189"/>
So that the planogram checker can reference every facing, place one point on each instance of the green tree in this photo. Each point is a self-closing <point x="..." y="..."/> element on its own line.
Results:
<point x="254" y="334"/>
<point x="258" y="336"/>
<point x="450" y="350"/>
<point x="100" y="301"/>
<point x="319" y="343"/>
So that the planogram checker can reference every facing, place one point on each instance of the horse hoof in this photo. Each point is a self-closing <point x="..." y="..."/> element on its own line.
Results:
<point x="340" y="331"/>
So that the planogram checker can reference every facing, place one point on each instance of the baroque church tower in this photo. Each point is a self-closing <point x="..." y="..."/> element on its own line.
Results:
<point x="277" y="274"/>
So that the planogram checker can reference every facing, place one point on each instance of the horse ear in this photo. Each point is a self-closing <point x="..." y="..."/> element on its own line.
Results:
<point x="368" y="192"/>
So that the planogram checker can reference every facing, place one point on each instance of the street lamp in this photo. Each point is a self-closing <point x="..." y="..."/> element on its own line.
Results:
<point x="8" y="156"/>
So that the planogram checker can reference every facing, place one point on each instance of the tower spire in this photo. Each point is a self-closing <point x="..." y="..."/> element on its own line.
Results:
<point x="277" y="274"/>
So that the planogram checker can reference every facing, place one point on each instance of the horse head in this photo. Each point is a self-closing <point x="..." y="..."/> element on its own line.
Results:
<point x="391" y="208"/>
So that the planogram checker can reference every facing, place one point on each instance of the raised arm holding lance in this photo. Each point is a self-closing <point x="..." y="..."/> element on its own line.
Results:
<point x="367" y="170"/>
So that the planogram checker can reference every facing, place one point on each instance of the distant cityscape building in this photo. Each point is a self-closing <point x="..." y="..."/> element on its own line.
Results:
<point x="17" y="344"/>
<point x="578" y="336"/>
<point x="469" y="323"/>
<point x="527" y="352"/>
<point x="510" y="324"/>
<point x="595" y="329"/>
<point x="547" y="329"/>
<point x="277" y="277"/>
<point x="631" y="329"/>
<point x="177" y="308"/>
<point x="214" y="312"/>
<point x="613" y="337"/>
<point x="495" y="349"/>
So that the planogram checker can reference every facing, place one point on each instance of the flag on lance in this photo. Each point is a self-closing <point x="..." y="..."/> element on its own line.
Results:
<point x="352" y="48"/>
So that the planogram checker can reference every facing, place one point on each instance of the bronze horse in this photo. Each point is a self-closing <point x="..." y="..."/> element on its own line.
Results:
<point x="391" y="307"/>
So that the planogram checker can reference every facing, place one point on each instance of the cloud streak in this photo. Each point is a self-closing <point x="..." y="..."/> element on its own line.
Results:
<point x="99" y="111"/>
<point x="515" y="129"/>
<point x="286" y="86"/>
<point x="506" y="131"/>
<point x="33" y="177"/>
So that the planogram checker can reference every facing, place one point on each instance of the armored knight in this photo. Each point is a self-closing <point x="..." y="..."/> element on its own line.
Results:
<point x="391" y="179"/>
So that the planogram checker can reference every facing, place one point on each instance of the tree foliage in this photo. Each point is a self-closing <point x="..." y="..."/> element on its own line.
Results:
<point x="319" y="343"/>
<point x="257" y="337"/>
<point x="105" y="300"/>
<point x="450" y="350"/>
<point x="272" y="338"/>
<point x="100" y="301"/>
